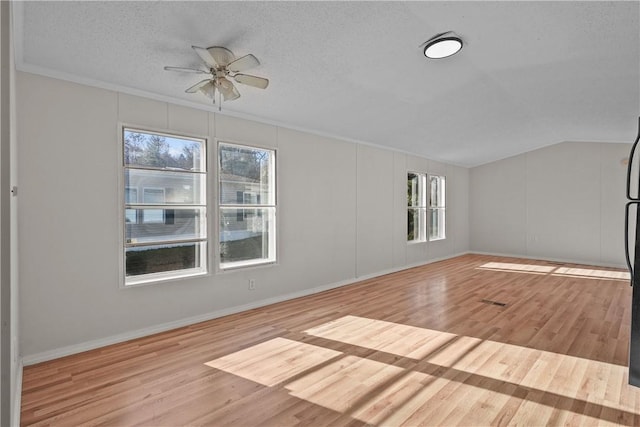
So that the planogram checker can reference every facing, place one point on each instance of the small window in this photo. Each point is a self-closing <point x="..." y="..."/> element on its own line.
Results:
<point x="437" y="215"/>
<point x="416" y="207"/>
<point x="165" y="218"/>
<point x="247" y="187"/>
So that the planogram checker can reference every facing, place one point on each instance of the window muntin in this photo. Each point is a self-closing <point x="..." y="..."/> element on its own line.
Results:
<point x="247" y="194"/>
<point x="416" y="207"/>
<point x="437" y="208"/>
<point x="165" y="233"/>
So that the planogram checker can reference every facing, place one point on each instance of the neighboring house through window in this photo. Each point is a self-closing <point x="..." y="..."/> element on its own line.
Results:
<point x="153" y="196"/>
<point x="130" y="198"/>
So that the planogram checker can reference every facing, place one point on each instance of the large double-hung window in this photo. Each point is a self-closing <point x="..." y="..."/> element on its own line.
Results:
<point x="165" y="217"/>
<point x="416" y="207"/>
<point x="437" y="207"/>
<point x="247" y="197"/>
<point x="425" y="207"/>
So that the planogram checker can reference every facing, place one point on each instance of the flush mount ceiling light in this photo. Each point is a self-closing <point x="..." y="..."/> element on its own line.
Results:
<point x="442" y="45"/>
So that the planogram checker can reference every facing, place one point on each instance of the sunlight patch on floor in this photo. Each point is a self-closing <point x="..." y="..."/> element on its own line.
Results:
<point x="344" y="383"/>
<point x="585" y="273"/>
<point x="523" y="268"/>
<point x="273" y="361"/>
<point x="592" y="274"/>
<point x="394" y="338"/>
<point x="453" y="379"/>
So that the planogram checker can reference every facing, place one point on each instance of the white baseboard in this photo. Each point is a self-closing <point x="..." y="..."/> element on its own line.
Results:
<point x="552" y="259"/>
<point x="138" y="333"/>
<point x="420" y="264"/>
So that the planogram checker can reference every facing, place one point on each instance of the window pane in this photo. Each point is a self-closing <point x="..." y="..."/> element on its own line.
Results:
<point x="247" y="234"/>
<point x="162" y="187"/>
<point x="246" y="175"/>
<point x="416" y="225"/>
<point x="161" y="151"/>
<point x="163" y="258"/>
<point x="413" y="189"/>
<point x="437" y="189"/>
<point x="130" y="216"/>
<point x="153" y="216"/>
<point x="165" y="225"/>
<point x="130" y="194"/>
<point x="153" y="196"/>
<point x="437" y="224"/>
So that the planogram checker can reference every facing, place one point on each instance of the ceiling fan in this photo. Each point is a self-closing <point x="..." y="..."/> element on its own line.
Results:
<point x="222" y="65"/>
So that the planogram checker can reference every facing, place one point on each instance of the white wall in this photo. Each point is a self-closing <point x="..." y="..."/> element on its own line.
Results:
<point x="341" y="216"/>
<point x="16" y="367"/>
<point x="5" y="214"/>
<point x="11" y="369"/>
<point x="564" y="202"/>
<point x="375" y="207"/>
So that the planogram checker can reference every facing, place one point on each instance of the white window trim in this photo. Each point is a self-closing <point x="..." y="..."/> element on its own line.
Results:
<point x="244" y="264"/>
<point x="125" y="282"/>
<point x="153" y="278"/>
<point x="274" y="225"/>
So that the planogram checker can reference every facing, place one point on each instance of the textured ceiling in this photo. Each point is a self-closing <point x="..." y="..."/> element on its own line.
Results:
<point x="531" y="73"/>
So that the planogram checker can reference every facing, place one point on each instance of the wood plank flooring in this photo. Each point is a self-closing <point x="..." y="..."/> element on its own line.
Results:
<point x="418" y="347"/>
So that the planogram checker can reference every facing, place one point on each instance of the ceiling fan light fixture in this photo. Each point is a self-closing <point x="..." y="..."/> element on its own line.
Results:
<point x="443" y="46"/>
<point x="209" y="90"/>
<point x="227" y="89"/>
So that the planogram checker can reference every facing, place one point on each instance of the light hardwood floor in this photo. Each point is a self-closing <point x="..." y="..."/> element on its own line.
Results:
<point x="418" y="347"/>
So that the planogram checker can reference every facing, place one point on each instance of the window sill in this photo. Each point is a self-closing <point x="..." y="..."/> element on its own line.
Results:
<point x="155" y="278"/>
<point x="245" y="264"/>
<point x="415" y="242"/>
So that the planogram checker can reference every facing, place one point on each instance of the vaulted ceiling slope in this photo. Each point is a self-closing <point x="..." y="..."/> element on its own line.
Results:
<point x="530" y="74"/>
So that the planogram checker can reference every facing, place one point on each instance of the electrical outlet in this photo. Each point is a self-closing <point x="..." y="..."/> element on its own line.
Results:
<point x="252" y="284"/>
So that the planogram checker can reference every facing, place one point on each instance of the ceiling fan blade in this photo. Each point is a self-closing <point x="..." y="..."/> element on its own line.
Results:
<point x="196" y="87"/>
<point x="186" y="70"/>
<point x="227" y="89"/>
<point x="244" y="63"/>
<point x="205" y="56"/>
<point x="254" y="81"/>
<point x="221" y="55"/>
